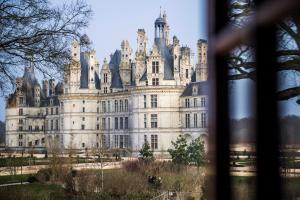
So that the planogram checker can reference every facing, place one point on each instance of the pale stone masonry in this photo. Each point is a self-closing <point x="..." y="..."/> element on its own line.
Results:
<point x="151" y="96"/>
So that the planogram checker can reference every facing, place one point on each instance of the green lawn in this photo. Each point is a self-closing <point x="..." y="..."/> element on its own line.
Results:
<point x="13" y="179"/>
<point x="34" y="191"/>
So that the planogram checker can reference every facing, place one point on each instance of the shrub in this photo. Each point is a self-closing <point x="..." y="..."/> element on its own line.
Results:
<point x="32" y="179"/>
<point x="43" y="175"/>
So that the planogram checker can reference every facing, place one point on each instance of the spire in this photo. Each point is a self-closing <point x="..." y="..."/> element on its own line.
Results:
<point x="160" y="11"/>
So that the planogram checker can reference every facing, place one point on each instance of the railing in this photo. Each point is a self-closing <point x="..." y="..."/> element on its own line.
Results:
<point x="222" y="39"/>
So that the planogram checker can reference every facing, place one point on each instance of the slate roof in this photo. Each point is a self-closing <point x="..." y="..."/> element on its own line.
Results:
<point x="166" y="54"/>
<point x="114" y="66"/>
<point x="202" y="89"/>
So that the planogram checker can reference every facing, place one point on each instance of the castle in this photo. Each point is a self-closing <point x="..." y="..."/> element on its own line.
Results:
<point x="152" y="96"/>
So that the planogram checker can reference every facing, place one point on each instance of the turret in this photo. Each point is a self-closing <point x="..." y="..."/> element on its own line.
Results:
<point x="141" y="42"/>
<point x="125" y="65"/>
<point x="45" y="87"/>
<point x="37" y="95"/>
<point x="52" y="87"/>
<point x="201" y="67"/>
<point x="75" y="51"/>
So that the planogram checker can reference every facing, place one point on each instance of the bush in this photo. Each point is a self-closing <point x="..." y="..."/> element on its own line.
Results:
<point x="43" y="175"/>
<point x="32" y="179"/>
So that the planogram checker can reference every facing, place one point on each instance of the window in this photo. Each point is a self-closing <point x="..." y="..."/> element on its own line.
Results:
<point x="47" y="111"/>
<point x="126" y="142"/>
<point x="145" y="139"/>
<point x="154" y="142"/>
<point x="83" y="145"/>
<point x="145" y="120"/>
<point x="105" y="90"/>
<point x="82" y="126"/>
<point x="97" y="109"/>
<point x="195" y="120"/>
<point x="103" y="123"/>
<point x="20" y="128"/>
<point x="187" y="120"/>
<point x="116" y="106"/>
<point x="20" y="121"/>
<point x="126" y="105"/>
<point x="108" y="123"/>
<point x="203" y="102"/>
<point x="83" y="101"/>
<point x="20" y="143"/>
<point x="187" y="103"/>
<point x="186" y="73"/>
<point x="153" y="120"/>
<point x="56" y="111"/>
<point x="83" y="118"/>
<point x="153" y="101"/>
<point x="36" y="128"/>
<point x="36" y="142"/>
<point x="145" y="101"/>
<point x="116" y="123"/>
<point x="155" y="81"/>
<point x="20" y="111"/>
<point x="121" y="141"/>
<point x="116" y="138"/>
<point x="121" y="105"/>
<point x="108" y="106"/>
<point x="147" y="83"/>
<point x="121" y="122"/>
<point x="155" y="67"/>
<point x="51" y="111"/>
<point x="126" y="122"/>
<point x="103" y="106"/>
<point x="105" y="78"/>
<point x="51" y="125"/>
<point x="56" y="124"/>
<point x="203" y="120"/>
<point x="83" y="109"/>
<point x="195" y="102"/>
<point x="98" y="127"/>
<point x="20" y="136"/>
<point x="43" y="140"/>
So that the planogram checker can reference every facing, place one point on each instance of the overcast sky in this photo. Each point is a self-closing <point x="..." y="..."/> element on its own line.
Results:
<point x="117" y="20"/>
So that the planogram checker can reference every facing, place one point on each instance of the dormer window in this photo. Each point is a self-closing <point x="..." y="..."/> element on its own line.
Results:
<point x="195" y="90"/>
<point x="51" y="102"/>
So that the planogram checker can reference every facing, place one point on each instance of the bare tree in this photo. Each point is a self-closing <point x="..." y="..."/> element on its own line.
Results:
<point x="38" y="32"/>
<point x="242" y="61"/>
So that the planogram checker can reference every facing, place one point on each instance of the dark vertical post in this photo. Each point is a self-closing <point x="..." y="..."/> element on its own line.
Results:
<point x="267" y="144"/>
<point x="219" y="103"/>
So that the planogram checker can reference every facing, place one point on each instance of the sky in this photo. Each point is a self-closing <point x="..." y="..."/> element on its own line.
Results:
<point x="117" y="20"/>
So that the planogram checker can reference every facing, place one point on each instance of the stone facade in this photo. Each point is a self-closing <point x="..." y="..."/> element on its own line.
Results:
<point x="151" y="96"/>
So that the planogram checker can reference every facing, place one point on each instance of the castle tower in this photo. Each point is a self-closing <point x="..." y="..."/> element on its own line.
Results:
<point x="93" y="64"/>
<point x="21" y="100"/>
<point x="140" y="54"/>
<point x="162" y="29"/>
<point x="37" y="95"/>
<point x="201" y="67"/>
<point x="75" y="51"/>
<point x="52" y="87"/>
<point x="176" y="58"/>
<point x="166" y="28"/>
<point x="45" y="87"/>
<point x="125" y="65"/>
<point x="185" y="65"/>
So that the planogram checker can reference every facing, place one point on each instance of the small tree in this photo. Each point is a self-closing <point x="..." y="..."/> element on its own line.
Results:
<point x="196" y="152"/>
<point x="179" y="154"/>
<point x="146" y="154"/>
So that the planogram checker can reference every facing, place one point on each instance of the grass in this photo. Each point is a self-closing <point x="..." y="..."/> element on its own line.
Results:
<point x="34" y="191"/>
<point x="13" y="178"/>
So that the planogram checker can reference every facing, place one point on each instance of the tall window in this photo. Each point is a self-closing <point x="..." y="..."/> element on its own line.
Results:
<point x="153" y="101"/>
<point x="145" y="120"/>
<point x="121" y="141"/>
<point x="187" y="120"/>
<point x="105" y="78"/>
<point x="195" y="102"/>
<point x="203" y="102"/>
<point x="83" y="109"/>
<point x="105" y="90"/>
<point x="153" y="120"/>
<point x="126" y="122"/>
<point x="108" y="123"/>
<point x="203" y="120"/>
<point x="21" y="100"/>
<point x="103" y="106"/>
<point x="116" y="123"/>
<point x="56" y="111"/>
<point x="116" y="138"/>
<point x="121" y="122"/>
<point x="186" y="73"/>
<point x="108" y="106"/>
<point x="51" y="111"/>
<point x="195" y="120"/>
<point x="121" y="106"/>
<point x="20" y="111"/>
<point x="51" y="125"/>
<point x="154" y="144"/>
<point x="116" y="105"/>
<point x="103" y="124"/>
<point x="145" y="101"/>
<point x="47" y="111"/>
<point x="187" y="103"/>
<point x="155" y="67"/>
<point x="56" y="124"/>
<point x="126" y="105"/>
<point x="82" y="126"/>
<point x="155" y="81"/>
